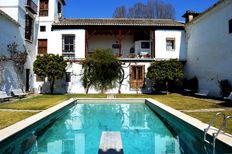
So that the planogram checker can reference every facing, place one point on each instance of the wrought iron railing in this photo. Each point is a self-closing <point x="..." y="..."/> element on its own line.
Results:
<point x="29" y="4"/>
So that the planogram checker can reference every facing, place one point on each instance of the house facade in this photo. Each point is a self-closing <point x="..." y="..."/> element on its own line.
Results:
<point x="18" y="37"/>
<point x="135" y="42"/>
<point x="209" y="47"/>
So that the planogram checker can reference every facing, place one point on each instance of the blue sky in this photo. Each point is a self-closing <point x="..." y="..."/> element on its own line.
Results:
<point x="105" y="8"/>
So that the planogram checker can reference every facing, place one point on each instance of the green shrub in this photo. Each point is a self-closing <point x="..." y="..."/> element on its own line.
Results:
<point x="165" y="74"/>
<point x="225" y="88"/>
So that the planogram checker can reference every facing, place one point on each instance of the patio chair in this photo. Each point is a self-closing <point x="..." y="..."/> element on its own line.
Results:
<point x="4" y="96"/>
<point x="229" y="98"/>
<point x="202" y="93"/>
<point x="18" y="93"/>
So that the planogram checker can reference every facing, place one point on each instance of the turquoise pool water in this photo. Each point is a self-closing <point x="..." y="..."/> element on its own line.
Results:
<point x="79" y="130"/>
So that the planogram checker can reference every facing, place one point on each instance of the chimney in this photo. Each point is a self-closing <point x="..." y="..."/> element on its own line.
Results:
<point x="190" y="15"/>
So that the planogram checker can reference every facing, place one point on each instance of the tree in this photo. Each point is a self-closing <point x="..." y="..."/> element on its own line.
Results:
<point x="101" y="70"/>
<point x="155" y="9"/>
<point x="50" y="66"/>
<point x="165" y="72"/>
<point x="120" y="12"/>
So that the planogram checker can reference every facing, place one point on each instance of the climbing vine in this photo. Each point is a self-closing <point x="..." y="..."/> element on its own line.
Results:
<point x="18" y="57"/>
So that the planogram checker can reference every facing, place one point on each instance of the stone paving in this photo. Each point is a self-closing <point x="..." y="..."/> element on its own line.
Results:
<point x="207" y="110"/>
<point x="16" y="110"/>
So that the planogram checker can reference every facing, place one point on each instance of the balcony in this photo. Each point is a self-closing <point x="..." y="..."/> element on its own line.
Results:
<point x="30" y="5"/>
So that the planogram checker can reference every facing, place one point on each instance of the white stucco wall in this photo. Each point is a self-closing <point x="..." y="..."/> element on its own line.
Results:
<point x="52" y="12"/>
<point x="180" y="44"/>
<point x="210" y="48"/>
<point x="11" y="33"/>
<point x="75" y="85"/>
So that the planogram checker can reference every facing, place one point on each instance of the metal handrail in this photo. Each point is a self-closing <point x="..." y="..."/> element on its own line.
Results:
<point x="212" y="122"/>
<point x="223" y="125"/>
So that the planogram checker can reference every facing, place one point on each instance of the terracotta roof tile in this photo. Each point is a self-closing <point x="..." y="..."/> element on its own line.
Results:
<point x="117" y="22"/>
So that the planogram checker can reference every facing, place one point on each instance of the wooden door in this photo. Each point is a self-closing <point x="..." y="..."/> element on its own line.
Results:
<point x="137" y="74"/>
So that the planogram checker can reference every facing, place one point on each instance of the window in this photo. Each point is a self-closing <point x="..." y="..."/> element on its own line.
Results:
<point x="29" y="28"/>
<point x="42" y="46"/>
<point x="68" y="42"/>
<point x="115" y="46"/>
<point x="170" y="44"/>
<point x="43" y="8"/>
<point x="68" y="76"/>
<point x="137" y="76"/>
<point x="145" y="45"/>
<point x="43" y="28"/>
<point x="39" y="79"/>
<point x="230" y="26"/>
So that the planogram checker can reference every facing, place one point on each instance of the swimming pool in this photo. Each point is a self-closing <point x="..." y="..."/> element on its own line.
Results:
<point x="144" y="128"/>
<point x="79" y="131"/>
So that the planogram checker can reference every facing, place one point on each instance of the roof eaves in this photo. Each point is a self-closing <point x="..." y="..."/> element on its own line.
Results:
<point x="9" y="18"/>
<point x="206" y="11"/>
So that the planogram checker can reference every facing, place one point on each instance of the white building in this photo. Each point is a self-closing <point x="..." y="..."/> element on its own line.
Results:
<point x="209" y="47"/>
<point x="137" y="42"/>
<point x="19" y="28"/>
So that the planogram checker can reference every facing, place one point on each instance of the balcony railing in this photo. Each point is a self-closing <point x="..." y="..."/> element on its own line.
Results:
<point x="30" y="5"/>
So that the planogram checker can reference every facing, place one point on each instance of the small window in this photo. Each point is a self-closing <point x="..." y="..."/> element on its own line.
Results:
<point x="115" y="46"/>
<point x="145" y="45"/>
<point x="43" y="28"/>
<point x="230" y="26"/>
<point x="68" y="76"/>
<point x="42" y="46"/>
<point x="39" y="79"/>
<point x="43" y="8"/>
<point x="170" y="44"/>
<point x="29" y="28"/>
<point x="68" y="43"/>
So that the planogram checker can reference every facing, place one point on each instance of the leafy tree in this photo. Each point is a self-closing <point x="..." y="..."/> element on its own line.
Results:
<point x="165" y="72"/>
<point x="101" y="70"/>
<point x="50" y="66"/>
<point x="154" y="9"/>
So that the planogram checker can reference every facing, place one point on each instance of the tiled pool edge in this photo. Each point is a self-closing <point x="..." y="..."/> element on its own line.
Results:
<point x="225" y="138"/>
<point x="21" y="125"/>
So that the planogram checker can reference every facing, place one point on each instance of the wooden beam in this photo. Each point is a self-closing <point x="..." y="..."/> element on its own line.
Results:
<point x="86" y="43"/>
<point x="120" y="41"/>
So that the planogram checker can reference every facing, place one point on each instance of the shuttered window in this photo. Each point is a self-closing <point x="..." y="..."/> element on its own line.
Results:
<point x="42" y="46"/>
<point x="137" y="76"/>
<point x="29" y="28"/>
<point x="68" y="43"/>
<point x="43" y="8"/>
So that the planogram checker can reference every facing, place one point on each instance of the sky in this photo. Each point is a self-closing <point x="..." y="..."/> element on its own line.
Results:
<point x="105" y="8"/>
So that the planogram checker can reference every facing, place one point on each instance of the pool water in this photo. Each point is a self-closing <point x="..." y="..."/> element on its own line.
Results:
<point x="79" y="130"/>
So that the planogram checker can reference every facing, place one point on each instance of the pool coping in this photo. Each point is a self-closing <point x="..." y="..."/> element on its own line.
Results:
<point x="23" y="124"/>
<point x="225" y="137"/>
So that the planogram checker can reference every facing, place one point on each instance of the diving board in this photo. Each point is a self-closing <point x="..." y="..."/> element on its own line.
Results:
<point x="111" y="143"/>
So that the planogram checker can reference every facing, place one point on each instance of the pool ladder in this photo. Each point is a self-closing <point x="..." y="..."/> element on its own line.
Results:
<point x="215" y="135"/>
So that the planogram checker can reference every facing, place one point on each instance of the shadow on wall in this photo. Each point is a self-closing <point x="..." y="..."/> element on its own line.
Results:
<point x="60" y="87"/>
<point x="10" y="79"/>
